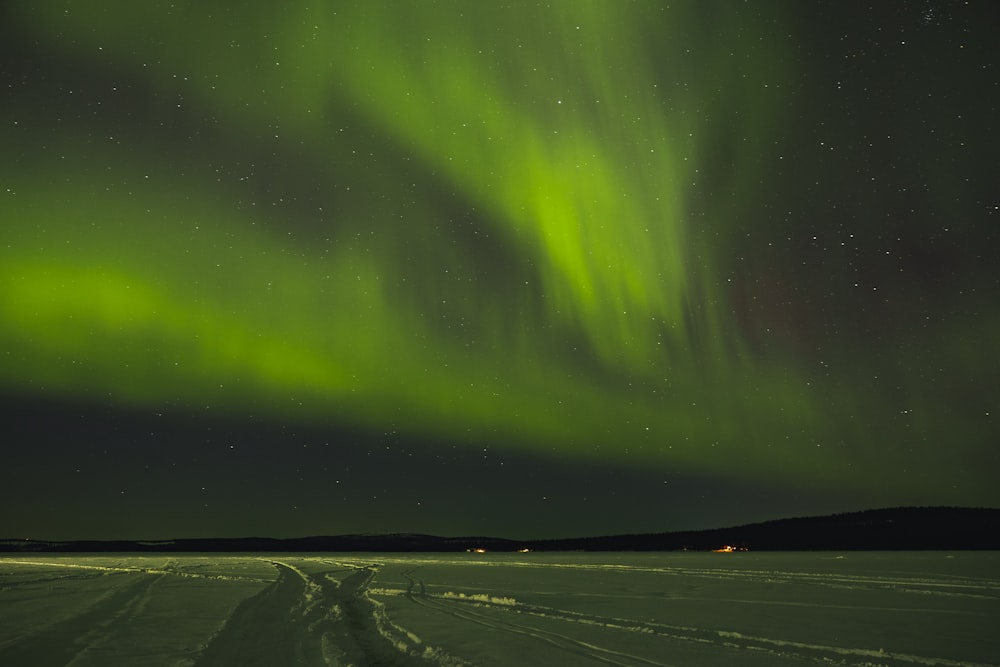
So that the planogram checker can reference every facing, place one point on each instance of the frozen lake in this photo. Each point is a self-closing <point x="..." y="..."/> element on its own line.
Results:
<point x="754" y="608"/>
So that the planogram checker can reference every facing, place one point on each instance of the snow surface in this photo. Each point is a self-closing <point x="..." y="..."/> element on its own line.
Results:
<point x="903" y="608"/>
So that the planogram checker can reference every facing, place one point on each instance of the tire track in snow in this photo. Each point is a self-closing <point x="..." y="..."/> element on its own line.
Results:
<point x="358" y="636"/>
<point x="365" y="635"/>
<point x="261" y="630"/>
<point x="563" y="642"/>
<point x="947" y="585"/>
<point x="465" y="608"/>
<point x="309" y="619"/>
<point x="61" y="642"/>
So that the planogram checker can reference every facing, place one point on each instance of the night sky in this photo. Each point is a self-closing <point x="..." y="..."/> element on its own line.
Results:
<point x="524" y="269"/>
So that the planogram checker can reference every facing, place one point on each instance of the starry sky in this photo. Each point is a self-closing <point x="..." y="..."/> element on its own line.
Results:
<point x="524" y="269"/>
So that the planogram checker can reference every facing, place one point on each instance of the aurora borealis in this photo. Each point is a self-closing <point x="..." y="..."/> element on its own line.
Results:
<point x="525" y="269"/>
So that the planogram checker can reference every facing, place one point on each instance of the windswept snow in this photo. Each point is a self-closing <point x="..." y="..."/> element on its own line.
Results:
<point x="914" y="608"/>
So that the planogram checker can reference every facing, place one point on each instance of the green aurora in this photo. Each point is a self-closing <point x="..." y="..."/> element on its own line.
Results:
<point x="565" y="227"/>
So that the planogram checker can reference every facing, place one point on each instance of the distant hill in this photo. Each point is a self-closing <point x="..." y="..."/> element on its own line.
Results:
<point x="898" y="528"/>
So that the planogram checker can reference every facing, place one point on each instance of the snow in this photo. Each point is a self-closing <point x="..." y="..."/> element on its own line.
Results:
<point x="902" y="608"/>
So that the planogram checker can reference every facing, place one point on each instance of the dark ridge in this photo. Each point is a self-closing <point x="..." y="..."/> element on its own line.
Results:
<point x="899" y="528"/>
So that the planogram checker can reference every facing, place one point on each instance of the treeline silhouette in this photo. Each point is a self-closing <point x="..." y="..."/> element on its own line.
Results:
<point x="899" y="528"/>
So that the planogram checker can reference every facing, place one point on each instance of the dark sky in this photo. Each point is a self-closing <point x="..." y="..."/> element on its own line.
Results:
<point x="525" y="269"/>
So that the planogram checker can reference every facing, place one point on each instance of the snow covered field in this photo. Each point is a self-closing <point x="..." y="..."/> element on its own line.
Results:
<point x="910" y="608"/>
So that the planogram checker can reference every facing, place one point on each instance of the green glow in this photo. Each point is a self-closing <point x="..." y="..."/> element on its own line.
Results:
<point x="553" y="157"/>
<point x="586" y="317"/>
